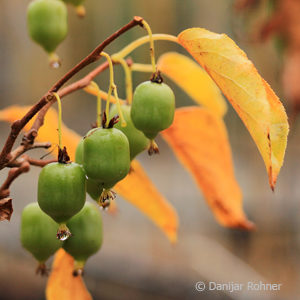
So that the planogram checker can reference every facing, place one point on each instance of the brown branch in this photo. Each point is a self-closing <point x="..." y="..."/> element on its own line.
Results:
<point x="12" y="175"/>
<point x="18" y="125"/>
<point x="40" y="162"/>
<point x="23" y="148"/>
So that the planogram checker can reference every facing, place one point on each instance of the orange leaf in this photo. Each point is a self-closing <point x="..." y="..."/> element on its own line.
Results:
<point x="193" y="80"/>
<point x="199" y="140"/>
<point x="62" y="284"/>
<point x="137" y="189"/>
<point x="252" y="98"/>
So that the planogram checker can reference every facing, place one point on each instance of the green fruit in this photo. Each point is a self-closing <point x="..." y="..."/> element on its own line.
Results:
<point x="137" y="140"/>
<point x="106" y="156"/>
<point x="38" y="233"/>
<point x="152" y="108"/>
<point x="87" y="236"/>
<point x="47" y="23"/>
<point x="99" y="191"/>
<point x="61" y="191"/>
<point x="93" y="188"/>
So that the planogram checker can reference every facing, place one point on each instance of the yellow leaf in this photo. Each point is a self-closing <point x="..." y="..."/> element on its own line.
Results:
<point x="137" y="189"/>
<point x="193" y="80"/>
<point x="199" y="140"/>
<point x="252" y="98"/>
<point x="62" y="284"/>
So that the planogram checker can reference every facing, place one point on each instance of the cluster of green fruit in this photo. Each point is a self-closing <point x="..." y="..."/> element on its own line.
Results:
<point x="102" y="159"/>
<point x="48" y="23"/>
<point x="105" y="153"/>
<point x="38" y="235"/>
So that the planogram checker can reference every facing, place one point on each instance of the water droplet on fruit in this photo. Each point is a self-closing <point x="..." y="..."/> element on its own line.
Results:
<point x="78" y="272"/>
<point x="55" y="65"/>
<point x="63" y="232"/>
<point x="54" y="61"/>
<point x="63" y="237"/>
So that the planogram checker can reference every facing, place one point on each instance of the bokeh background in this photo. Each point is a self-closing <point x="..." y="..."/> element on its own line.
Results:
<point x="137" y="261"/>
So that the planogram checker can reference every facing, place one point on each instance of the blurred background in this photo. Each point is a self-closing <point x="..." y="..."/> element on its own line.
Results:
<point x="136" y="260"/>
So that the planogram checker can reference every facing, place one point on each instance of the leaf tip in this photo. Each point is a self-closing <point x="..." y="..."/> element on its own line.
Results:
<point x="172" y="235"/>
<point x="247" y="225"/>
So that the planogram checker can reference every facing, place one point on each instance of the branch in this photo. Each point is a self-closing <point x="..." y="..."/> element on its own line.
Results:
<point x="40" y="162"/>
<point x="12" y="175"/>
<point x="23" y="148"/>
<point x="18" y="125"/>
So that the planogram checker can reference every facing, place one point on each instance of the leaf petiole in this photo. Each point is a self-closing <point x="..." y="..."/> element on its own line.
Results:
<point x="152" y="51"/>
<point x="143" y="40"/>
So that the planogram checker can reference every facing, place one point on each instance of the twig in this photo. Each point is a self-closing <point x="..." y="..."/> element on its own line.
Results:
<point x="18" y="125"/>
<point x="23" y="148"/>
<point x="40" y="162"/>
<point x="12" y="175"/>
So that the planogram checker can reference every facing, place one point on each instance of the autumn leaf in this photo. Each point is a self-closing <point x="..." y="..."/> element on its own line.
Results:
<point x="137" y="189"/>
<point x="252" y="98"/>
<point x="62" y="284"/>
<point x="200" y="142"/>
<point x="193" y="80"/>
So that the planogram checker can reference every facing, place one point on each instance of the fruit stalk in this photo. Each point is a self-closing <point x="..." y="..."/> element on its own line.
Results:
<point x="128" y="78"/>
<point x="141" y="68"/>
<point x="112" y="87"/>
<point x="152" y="51"/>
<point x="143" y="40"/>
<point x="59" y="119"/>
<point x="98" y="122"/>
